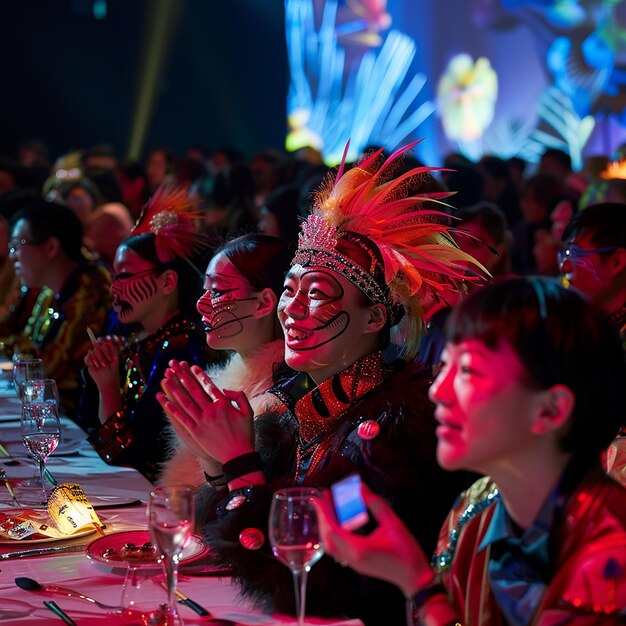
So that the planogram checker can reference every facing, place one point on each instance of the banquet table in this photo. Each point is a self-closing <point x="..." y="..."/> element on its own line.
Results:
<point x="119" y="494"/>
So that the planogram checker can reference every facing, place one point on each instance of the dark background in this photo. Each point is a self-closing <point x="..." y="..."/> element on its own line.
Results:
<point x="71" y="80"/>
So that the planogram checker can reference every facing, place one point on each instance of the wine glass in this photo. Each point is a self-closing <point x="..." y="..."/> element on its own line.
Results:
<point x="41" y="432"/>
<point x="171" y="521"/>
<point x="26" y="369"/>
<point x="295" y="538"/>
<point x="40" y="391"/>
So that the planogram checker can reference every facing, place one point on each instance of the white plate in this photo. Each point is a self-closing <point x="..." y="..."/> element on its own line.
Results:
<point x="111" y="502"/>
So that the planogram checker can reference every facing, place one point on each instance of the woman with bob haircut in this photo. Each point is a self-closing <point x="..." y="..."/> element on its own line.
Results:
<point x="530" y="394"/>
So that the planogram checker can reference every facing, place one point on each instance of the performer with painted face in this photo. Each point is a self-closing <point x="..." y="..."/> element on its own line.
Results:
<point x="152" y="281"/>
<point x="243" y="283"/>
<point x="365" y="255"/>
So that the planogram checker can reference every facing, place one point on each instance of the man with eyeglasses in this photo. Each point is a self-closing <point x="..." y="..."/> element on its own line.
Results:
<point x="593" y="258"/>
<point x="46" y="251"/>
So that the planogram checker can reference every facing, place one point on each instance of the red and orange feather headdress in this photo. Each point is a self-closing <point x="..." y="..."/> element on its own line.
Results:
<point x="417" y="253"/>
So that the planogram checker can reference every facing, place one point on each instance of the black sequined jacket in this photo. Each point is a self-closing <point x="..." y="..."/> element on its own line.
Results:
<point x="135" y="436"/>
<point x="320" y="438"/>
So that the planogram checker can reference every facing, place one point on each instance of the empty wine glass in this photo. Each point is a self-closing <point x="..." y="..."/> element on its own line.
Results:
<point x="295" y="538"/>
<point x="41" y="432"/>
<point x="26" y="369"/>
<point x="171" y="521"/>
<point x="144" y="598"/>
<point x="41" y="391"/>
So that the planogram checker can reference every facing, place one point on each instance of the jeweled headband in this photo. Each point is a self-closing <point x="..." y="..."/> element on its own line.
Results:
<point x="317" y="245"/>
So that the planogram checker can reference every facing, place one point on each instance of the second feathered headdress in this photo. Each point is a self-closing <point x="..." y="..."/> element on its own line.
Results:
<point x="169" y="216"/>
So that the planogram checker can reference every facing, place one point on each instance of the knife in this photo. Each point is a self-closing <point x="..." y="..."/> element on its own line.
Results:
<point x="183" y="599"/>
<point x="41" y="551"/>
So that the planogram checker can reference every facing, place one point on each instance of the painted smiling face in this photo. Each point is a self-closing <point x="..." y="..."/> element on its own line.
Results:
<point x="134" y="286"/>
<point x="229" y="301"/>
<point x="326" y="324"/>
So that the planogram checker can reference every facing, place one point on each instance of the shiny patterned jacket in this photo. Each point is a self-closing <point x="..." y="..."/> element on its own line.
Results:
<point x="587" y="583"/>
<point x="56" y="330"/>
<point x="371" y="418"/>
<point x="136" y="435"/>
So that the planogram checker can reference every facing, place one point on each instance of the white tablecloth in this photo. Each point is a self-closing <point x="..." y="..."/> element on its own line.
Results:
<point x="81" y="464"/>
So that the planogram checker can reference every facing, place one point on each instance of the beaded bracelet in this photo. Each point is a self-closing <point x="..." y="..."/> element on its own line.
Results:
<point x="242" y="465"/>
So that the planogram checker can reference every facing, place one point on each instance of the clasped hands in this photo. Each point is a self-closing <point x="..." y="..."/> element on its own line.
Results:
<point x="213" y="423"/>
<point x="103" y="360"/>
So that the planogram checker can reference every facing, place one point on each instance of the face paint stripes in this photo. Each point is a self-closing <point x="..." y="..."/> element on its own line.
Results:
<point x="328" y="332"/>
<point x="129" y="291"/>
<point x="219" y="315"/>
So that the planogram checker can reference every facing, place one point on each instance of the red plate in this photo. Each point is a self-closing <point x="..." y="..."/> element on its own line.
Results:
<point x="116" y="541"/>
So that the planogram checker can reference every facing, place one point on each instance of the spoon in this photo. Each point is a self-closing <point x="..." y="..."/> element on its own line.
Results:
<point x="32" y="585"/>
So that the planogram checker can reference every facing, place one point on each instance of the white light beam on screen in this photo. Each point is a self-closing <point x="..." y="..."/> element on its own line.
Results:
<point x="328" y="104"/>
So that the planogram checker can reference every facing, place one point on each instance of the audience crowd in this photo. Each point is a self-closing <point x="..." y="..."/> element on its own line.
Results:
<point x="248" y="323"/>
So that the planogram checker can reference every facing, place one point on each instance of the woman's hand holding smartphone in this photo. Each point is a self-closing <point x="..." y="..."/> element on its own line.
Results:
<point x="349" y="505"/>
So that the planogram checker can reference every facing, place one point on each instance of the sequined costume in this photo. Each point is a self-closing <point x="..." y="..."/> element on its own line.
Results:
<point x="56" y="330"/>
<point x="135" y="436"/>
<point x="371" y="418"/>
<point x="573" y="571"/>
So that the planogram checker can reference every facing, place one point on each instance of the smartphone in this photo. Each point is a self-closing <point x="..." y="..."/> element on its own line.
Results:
<point x="349" y="505"/>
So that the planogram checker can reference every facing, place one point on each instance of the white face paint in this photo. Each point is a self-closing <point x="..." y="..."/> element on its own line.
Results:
<point x="324" y="321"/>
<point x="227" y="303"/>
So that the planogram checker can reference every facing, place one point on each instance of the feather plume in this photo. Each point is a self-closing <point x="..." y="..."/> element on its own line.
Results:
<point x="416" y="245"/>
<point x="170" y="216"/>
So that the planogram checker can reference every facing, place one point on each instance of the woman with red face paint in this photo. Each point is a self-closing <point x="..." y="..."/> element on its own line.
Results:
<point x="364" y="258"/>
<point x="151" y="286"/>
<point x="530" y="393"/>
<point x="243" y="283"/>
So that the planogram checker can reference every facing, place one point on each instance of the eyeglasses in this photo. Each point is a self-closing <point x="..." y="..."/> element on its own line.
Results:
<point x="574" y="252"/>
<point x="127" y="276"/>
<point x="18" y="244"/>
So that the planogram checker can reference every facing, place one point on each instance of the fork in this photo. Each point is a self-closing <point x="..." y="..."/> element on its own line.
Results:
<point x="7" y="484"/>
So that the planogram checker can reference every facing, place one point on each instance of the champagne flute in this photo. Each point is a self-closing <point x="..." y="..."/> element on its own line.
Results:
<point x="171" y="521"/>
<point x="41" y="432"/>
<point x="295" y="537"/>
<point x="26" y="369"/>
